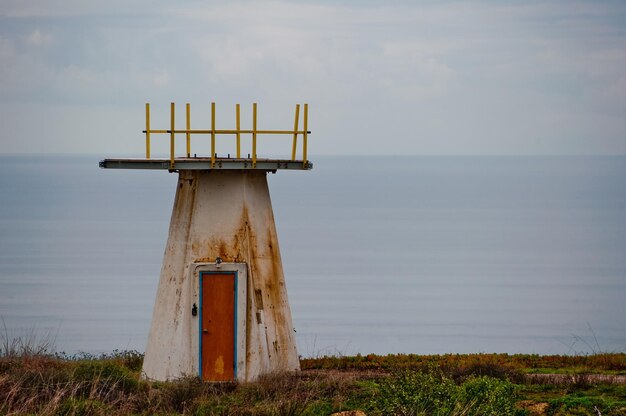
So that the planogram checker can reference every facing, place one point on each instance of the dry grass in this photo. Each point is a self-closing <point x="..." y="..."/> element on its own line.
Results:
<point x="33" y="380"/>
<point x="49" y="385"/>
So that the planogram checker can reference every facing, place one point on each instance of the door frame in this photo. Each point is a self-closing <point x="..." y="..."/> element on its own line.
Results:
<point x="240" y="270"/>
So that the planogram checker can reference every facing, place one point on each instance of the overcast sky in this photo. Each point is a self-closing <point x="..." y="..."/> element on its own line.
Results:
<point x="404" y="77"/>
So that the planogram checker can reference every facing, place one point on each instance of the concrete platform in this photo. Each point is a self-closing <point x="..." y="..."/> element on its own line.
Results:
<point x="204" y="163"/>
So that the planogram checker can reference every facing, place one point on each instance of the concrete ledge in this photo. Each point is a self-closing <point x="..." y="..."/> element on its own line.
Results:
<point x="269" y="165"/>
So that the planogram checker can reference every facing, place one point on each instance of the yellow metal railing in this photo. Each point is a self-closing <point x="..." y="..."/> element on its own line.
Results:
<point x="237" y="132"/>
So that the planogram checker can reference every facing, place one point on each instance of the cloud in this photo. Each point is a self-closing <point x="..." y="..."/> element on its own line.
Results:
<point x="38" y="38"/>
<point x="161" y="79"/>
<point x="7" y="50"/>
<point x="72" y="8"/>
<point x="476" y="75"/>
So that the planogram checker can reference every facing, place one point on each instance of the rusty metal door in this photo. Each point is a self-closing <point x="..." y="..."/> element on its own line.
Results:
<point x="217" y="326"/>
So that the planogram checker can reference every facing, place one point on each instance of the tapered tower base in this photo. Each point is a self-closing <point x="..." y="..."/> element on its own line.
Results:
<point x="221" y="309"/>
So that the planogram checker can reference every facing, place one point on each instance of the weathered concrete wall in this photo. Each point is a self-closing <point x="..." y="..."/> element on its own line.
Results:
<point x="226" y="214"/>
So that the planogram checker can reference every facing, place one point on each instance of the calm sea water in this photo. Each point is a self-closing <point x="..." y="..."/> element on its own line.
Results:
<point x="382" y="255"/>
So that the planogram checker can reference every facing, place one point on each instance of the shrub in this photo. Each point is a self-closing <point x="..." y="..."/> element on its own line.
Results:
<point x="489" y="369"/>
<point x="131" y="359"/>
<point x="415" y="393"/>
<point x="105" y="374"/>
<point x="429" y="394"/>
<point x="488" y="396"/>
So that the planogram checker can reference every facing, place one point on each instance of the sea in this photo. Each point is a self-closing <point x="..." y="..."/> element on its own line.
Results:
<point x="386" y="254"/>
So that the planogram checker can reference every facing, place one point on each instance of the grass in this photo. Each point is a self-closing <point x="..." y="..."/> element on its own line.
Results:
<point x="51" y="385"/>
<point x="35" y="381"/>
<point x="601" y="363"/>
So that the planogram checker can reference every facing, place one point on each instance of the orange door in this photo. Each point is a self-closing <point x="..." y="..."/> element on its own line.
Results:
<point x="218" y="326"/>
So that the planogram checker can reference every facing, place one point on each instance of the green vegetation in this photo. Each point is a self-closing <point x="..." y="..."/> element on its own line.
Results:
<point x="33" y="381"/>
<point x="512" y="365"/>
<point x="420" y="393"/>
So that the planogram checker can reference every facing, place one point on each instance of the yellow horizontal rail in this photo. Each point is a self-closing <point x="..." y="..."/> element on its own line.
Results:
<point x="172" y="131"/>
<point x="230" y="131"/>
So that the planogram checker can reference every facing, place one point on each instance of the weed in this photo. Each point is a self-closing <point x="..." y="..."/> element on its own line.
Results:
<point x="28" y="343"/>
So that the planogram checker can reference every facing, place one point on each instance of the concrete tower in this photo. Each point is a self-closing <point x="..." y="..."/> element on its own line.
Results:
<point x="221" y="309"/>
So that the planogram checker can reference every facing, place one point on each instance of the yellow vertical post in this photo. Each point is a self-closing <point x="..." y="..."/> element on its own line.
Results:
<point x="254" y="135"/>
<point x="147" y="130"/>
<point x="172" y="136"/>
<point x="295" y="133"/>
<point x="188" y="128"/>
<point x="212" y="135"/>
<point x="238" y="129"/>
<point x="304" y="134"/>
